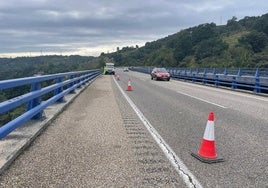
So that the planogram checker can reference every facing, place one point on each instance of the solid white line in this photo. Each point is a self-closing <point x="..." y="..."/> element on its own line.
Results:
<point x="189" y="179"/>
<point x="201" y="99"/>
<point x="232" y="92"/>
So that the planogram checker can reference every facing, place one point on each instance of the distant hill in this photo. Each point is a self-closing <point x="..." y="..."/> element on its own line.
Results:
<point x="242" y="43"/>
<point x="28" y="66"/>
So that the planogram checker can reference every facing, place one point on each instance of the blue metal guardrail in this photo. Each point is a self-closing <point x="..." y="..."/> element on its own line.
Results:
<point x="62" y="84"/>
<point x="255" y="80"/>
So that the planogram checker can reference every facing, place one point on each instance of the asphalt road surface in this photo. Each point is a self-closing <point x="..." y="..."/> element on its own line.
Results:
<point x="99" y="141"/>
<point x="178" y="111"/>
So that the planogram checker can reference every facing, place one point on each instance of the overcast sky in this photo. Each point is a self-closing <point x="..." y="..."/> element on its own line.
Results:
<point x="89" y="27"/>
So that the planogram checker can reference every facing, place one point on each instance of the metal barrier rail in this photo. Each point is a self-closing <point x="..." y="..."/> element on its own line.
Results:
<point x="62" y="84"/>
<point x="255" y="80"/>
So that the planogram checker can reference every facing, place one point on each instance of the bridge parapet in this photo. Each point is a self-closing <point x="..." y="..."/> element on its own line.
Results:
<point x="255" y="80"/>
<point x="44" y="91"/>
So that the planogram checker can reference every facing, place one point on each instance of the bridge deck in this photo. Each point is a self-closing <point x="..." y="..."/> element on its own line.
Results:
<point x="97" y="142"/>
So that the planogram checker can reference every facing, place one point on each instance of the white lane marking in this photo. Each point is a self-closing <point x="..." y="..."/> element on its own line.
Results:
<point x="232" y="92"/>
<point x="201" y="99"/>
<point x="189" y="179"/>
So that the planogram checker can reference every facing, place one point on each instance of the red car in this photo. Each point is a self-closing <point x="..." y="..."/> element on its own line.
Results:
<point x="160" y="74"/>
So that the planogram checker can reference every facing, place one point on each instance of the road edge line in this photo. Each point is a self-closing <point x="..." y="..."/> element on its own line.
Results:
<point x="189" y="179"/>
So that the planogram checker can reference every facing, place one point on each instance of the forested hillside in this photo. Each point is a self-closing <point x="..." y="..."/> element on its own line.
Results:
<point x="242" y="43"/>
<point x="28" y="66"/>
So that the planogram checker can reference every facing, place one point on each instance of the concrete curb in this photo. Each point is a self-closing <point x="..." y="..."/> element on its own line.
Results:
<point x="21" y="138"/>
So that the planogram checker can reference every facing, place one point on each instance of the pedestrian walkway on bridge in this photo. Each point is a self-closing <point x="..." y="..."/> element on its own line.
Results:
<point x="98" y="141"/>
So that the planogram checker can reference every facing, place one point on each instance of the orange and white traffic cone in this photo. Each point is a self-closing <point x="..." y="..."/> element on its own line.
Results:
<point x="207" y="151"/>
<point x="129" y="87"/>
<point x="118" y="77"/>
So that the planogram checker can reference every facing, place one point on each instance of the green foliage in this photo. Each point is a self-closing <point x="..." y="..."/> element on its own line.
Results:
<point x="5" y="118"/>
<point x="209" y="48"/>
<point x="203" y="32"/>
<point x="240" y="56"/>
<point x="261" y="24"/>
<point x="232" y="39"/>
<point x="2" y="96"/>
<point x="183" y="46"/>
<point x="255" y="40"/>
<point x="233" y="25"/>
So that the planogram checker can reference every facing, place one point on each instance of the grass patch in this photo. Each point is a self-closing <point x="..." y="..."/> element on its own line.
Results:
<point x="232" y="39"/>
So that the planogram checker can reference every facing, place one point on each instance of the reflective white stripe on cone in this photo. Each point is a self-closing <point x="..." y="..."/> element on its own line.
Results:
<point x="129" y="87"/>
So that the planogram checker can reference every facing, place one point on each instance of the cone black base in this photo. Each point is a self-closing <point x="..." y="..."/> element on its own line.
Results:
<point x="207" y="160"/>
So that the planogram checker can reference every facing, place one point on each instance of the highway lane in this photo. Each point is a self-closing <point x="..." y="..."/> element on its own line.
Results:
<point x="179" y="110"/>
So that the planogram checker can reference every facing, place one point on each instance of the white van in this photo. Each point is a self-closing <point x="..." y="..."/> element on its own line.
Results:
<point x="109" y="68"/>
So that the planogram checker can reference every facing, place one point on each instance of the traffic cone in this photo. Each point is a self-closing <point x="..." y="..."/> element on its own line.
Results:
<point x="207" y="151"/>
<point x="129" y="87"/>
<point x="118" y="77"/>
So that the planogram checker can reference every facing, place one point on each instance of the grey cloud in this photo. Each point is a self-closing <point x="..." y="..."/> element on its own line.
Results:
<point x="66" y="25"/>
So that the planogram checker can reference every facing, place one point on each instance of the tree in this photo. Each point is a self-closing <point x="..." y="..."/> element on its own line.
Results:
<point x="233" y="25"/>
<point x="248" y="22"/>
<point x="261" y="24"/>
<point x="203" y="32"/>
<point x="256" y="40"/>
<point x="210" y="47"/>
<point x="183" y="46"/>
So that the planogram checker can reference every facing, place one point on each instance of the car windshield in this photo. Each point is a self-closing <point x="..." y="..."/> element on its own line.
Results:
<point x="161" y="70"/>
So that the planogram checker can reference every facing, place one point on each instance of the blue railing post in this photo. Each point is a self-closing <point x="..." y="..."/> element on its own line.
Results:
<point x="194" y="78"/>
<point x="179" y="74"/>
<point x="257" y="85"/>
<point x="71" y="84"/>
<point x="84" y="83"/>
<point x="149" y="70"/>
<point x="257" y="82"/>
<point x="59" y="90"/>
<point x="175" y="72"/>
<point x="225" y="71"/>
<point x="257" y="73"/>
<point x="234" y="82"/>
<point x="204" y="81"/>
<point x="171" y="72"/>
<point x="36" y="101"/>
<point x="79" y="80"/>
<point x="214" y="71"/>
<point x="239" y="72"/>
<point x="216" y="80"/>
<point x="185" y="73"/>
